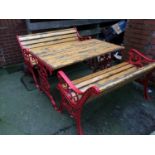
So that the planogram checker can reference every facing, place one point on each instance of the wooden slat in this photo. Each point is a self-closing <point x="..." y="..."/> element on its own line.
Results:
<point x="123" y="80"/>
<point x="50" y="43"/>
<point x="70" y="50"/>
<point x="93" y="75"/>
<point x="77" y="48"/>
<point x="70" y="46"/>
<point x="47" y="34"/>
<point x="79" y="54"/>
<point x="72" y="58"/>
<point x="67" y="45"/>
<point x="118" y="75"/>
<point x="104" y="76"/>
<point x="47" y="39"/>
<point x="100" y="83"/>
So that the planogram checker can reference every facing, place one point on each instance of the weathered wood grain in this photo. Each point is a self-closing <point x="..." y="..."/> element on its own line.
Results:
<point x="112" y="78"/>
<point x="85" y="78"/>
<point x="64" y="46"/>
<point x="107" y="74"/>
<point x="47" y="34"/>
<point x="61" y="48"/>
<point x="44" y="44"/>
<point x="47" y="39"/>
<point x="58" y="56"/>
<point x="119" y="79"/>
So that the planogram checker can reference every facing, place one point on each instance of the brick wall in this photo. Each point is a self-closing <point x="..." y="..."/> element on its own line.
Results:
<point x="140" y="34"/>
<point x="9" y="49"/>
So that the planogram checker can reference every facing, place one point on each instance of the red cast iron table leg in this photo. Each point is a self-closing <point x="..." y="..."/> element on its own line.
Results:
<point x="44" y="85"/>
<point x="29" y="60"/>
<point x="100" y="62"/>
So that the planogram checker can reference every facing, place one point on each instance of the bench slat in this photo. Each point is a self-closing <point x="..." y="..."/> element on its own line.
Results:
<point x="75" y="51"/>
<point x="69" y="46"/>
<point x="105" y="75"/>
<point x="100" y="83"/>
<point x="55" y="38"/>
<point x="44" y="44"/>
<point x="85" y="78"/>
<point x="73" y="57"/>
<point x="46" y="34"/>
<point x="120" y="78"/>
<point x="130" y="77"/>
<point x="72" y="52"/>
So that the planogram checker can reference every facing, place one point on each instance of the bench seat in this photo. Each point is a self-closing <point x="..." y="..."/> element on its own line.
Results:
<point x="112" y="77"/>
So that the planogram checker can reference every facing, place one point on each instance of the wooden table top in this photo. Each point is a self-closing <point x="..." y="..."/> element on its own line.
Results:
<point x="64" y="54"/>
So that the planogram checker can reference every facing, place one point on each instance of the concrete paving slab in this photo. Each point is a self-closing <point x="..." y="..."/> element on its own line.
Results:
<point x="30" y="112"/>
<point x="123" y="111"/>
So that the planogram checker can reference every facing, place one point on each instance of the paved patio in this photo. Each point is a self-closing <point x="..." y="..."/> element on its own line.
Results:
<point x="123" y="111"/>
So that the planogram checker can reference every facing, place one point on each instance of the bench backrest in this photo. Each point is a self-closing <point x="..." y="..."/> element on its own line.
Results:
<point x="48" y="38"/>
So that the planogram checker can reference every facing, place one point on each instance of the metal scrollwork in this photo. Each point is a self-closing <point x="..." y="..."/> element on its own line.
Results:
<point x="100" y="62"/>
<point x="138" y="59"/>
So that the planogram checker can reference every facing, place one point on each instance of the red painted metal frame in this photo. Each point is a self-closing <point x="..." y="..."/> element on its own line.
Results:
<point x="44" y="71"/>
<point x="101" y="62"/>
<point x="138" y="59"/>
<point x="73" y="99"/>
<point x="29" y="61"/>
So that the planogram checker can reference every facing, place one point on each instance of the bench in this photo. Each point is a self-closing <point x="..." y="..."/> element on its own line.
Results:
<point x="45" y="39"/>
<point x="75" y="93"/>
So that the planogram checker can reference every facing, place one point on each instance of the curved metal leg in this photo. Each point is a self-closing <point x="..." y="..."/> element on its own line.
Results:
<point x="77" y="117"/>
<point x="29" y="60"/>
<point x="73" y="99"/>
<point x="34" y="78"/>
<point x="44" y="84"/>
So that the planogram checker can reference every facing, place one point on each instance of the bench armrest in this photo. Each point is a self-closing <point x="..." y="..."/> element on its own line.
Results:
<point x="74" y="95"/>
<point x="139" y="59"/>
<point x="64" y="80"/>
